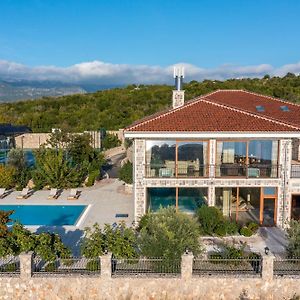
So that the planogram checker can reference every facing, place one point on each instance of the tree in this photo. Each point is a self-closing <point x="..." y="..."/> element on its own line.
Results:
<point x="55" y="170"/>
<point x="119" y="240"/>
<point x="293" y="235"/>
<point x="7" y="177"/>
<point x="110" y="141"/>
<point x="22" y="174"/>
<point x="126" y="173"/>
<point x="169" y="234"/>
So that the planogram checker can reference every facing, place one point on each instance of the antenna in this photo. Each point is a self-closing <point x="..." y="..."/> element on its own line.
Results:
<point x="178" y="75"/>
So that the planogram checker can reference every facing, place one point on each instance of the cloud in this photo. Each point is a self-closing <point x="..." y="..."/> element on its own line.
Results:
<point x="98" y="72"/>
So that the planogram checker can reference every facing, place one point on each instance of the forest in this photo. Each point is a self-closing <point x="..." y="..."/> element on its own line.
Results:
<point x="116" y="108"/>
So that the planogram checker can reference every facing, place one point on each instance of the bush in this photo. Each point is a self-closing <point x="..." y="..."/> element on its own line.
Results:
<point x="11" y="267"/>
<point x="7" y="177"/>
<point x="212" y="222"/>
<point x="293" y="235"/>
<point x="93" y="175"/>
<point x="110" y="141"/>
<point x="253" y="226"/>
<point x="93" y="265"/>
<point x="51" y="267"/>
<point x="246" y="231"/>
<point x="168" y="234"/>
<point x="126" y="173"/>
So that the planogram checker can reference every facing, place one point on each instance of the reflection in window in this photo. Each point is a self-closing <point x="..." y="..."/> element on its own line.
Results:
<point x="160" y="197"/>
<point x="226" y="200"/>
<point x="263" y="158"/>
<point x="160" y="158"/>
<point x="190" y="199"/>
<point x="192" y="159"/>
<point x="231" y="158"/>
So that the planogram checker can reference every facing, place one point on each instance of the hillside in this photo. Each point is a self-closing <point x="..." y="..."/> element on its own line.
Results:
<point x="116" y="108"/>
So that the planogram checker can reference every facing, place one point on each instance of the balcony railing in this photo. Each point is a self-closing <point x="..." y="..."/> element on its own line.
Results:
<point x="295" y="171"/>
<point x="223" y="170"/>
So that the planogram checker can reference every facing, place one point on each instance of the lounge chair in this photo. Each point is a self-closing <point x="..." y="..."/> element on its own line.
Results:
<point x="74" y="194"/>
<point x="54" y="194"/>
<point x="3" y="192"/>
<point x="26" y="192"/>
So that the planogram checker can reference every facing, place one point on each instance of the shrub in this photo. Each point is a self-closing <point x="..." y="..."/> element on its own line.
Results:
<point x="51" y="267"/>
<point x="168" y="234"/>
<point x="110" y="141"/>
<point x="246" y="231"/>
<point x="126" y="173"/>
<point x="7" y="177"/>
<point x="11" y="267"/>
<point x="293" y="235"/>
<point x="253" y="226"/>
<point x="92" y="177"/>
<point x="210" y="219"/>
<point x="93" y="265"/>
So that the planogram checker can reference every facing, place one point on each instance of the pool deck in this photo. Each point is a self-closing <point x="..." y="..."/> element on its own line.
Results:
<point x="104" y="200"/>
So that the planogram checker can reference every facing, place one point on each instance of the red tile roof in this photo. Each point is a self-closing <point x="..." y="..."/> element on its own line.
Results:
<point x="248" y="101"/>
<point x="208" y="114"/>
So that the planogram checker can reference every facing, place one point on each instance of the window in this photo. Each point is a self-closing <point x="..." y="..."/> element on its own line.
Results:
<point x="160" y="158"/>
<point x="284" y="108"/>
<point x="176" y="159"/>
<point x="260" y="108"/>
<point x="184" y="199"/>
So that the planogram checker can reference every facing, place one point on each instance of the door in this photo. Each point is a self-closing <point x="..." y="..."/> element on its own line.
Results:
<point x="269" y="212"/>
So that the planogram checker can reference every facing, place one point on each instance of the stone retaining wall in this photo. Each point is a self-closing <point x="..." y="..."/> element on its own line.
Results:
<point x="187" y="286"/>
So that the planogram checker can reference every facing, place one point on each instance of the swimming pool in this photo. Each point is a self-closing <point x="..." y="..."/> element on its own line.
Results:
<point x="46" y="215"/>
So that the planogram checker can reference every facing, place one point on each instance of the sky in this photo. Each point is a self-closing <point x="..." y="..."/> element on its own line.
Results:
<point x="139" y="41"/>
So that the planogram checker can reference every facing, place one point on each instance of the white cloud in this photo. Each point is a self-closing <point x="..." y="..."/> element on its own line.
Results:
<point x="98" y="72"/>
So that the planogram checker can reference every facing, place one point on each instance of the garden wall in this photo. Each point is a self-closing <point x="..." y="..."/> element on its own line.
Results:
<point x="186" y="286"/>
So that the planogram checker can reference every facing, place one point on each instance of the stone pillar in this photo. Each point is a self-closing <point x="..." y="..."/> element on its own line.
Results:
<point x="212" y="158"/>
<point x="267" y="268"/>
<point x="211" y="196"/>
<point x="187" y="266"/>
<point x="106" y="265"/>
<point x="26" y="265"/>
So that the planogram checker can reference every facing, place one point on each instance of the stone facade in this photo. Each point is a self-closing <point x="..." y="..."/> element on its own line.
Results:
<point x="186" y="286"/>
<point x="282" y="183"/>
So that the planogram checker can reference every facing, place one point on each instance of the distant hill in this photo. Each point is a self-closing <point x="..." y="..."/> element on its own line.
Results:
<point x="118" y="107"/>
<point x="23" y="90"/>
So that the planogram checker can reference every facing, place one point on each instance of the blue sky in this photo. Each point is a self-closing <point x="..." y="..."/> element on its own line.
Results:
<point x="204" y="34"/>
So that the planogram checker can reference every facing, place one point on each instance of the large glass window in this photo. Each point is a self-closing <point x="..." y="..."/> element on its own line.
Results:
<point x="190" y="199"/>
<point x="181" y="158"/>
<point x="160" y="197"/>
<point x="231" y="158"/>
<point x="263" y="158"/>
<point x="226" y="201"/>
<point x="160" y="158"/>
<point x="192" y="159"/>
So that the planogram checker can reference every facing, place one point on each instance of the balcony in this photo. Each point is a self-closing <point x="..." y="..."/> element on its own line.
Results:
<point x="295" y="170"/>
<point x="219" y="171"/>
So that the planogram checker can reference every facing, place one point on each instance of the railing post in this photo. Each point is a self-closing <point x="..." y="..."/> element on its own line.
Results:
<point x="187" y="260"/>
<point x="267" y="267"/>
<point x="26" y="265"/>
<point x="106" y="265"/>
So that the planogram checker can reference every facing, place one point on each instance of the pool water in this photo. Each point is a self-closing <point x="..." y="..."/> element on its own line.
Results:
<point x="45" y="215"/>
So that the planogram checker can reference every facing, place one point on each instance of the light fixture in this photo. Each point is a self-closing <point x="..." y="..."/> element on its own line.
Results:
<point x="267" y="250"/>
<point x="105" y="251"/>
<point x="186" y="251"/>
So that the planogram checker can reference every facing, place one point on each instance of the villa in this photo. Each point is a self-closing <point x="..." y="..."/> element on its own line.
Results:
<point x="233" y="149"/>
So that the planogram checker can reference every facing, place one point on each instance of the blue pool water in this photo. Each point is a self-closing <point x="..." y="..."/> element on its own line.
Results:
<point x="45" y="215"/>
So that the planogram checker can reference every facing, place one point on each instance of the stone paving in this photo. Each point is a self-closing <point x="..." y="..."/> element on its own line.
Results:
<point x="105" y="200"/>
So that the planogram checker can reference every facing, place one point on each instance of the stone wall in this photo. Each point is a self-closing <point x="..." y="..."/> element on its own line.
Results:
<point x="186" y="286"/>
<point x="35" y="140"/>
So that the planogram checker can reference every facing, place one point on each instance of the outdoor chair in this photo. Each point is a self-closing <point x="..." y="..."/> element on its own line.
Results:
<point x="26" y="192"/>
<point x="74" y="194"/>
<point x="54" y="194"/>
<point x="3" y="192"/>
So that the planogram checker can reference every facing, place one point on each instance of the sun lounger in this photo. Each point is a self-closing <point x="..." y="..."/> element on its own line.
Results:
<point x="74" y="194"/>
<point x="26" y="192"/>
<point x="54" y="194"/>
<point x="3" y="192"/>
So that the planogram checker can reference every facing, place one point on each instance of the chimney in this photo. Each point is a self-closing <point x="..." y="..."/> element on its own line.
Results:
<point x="178" y="93"/>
